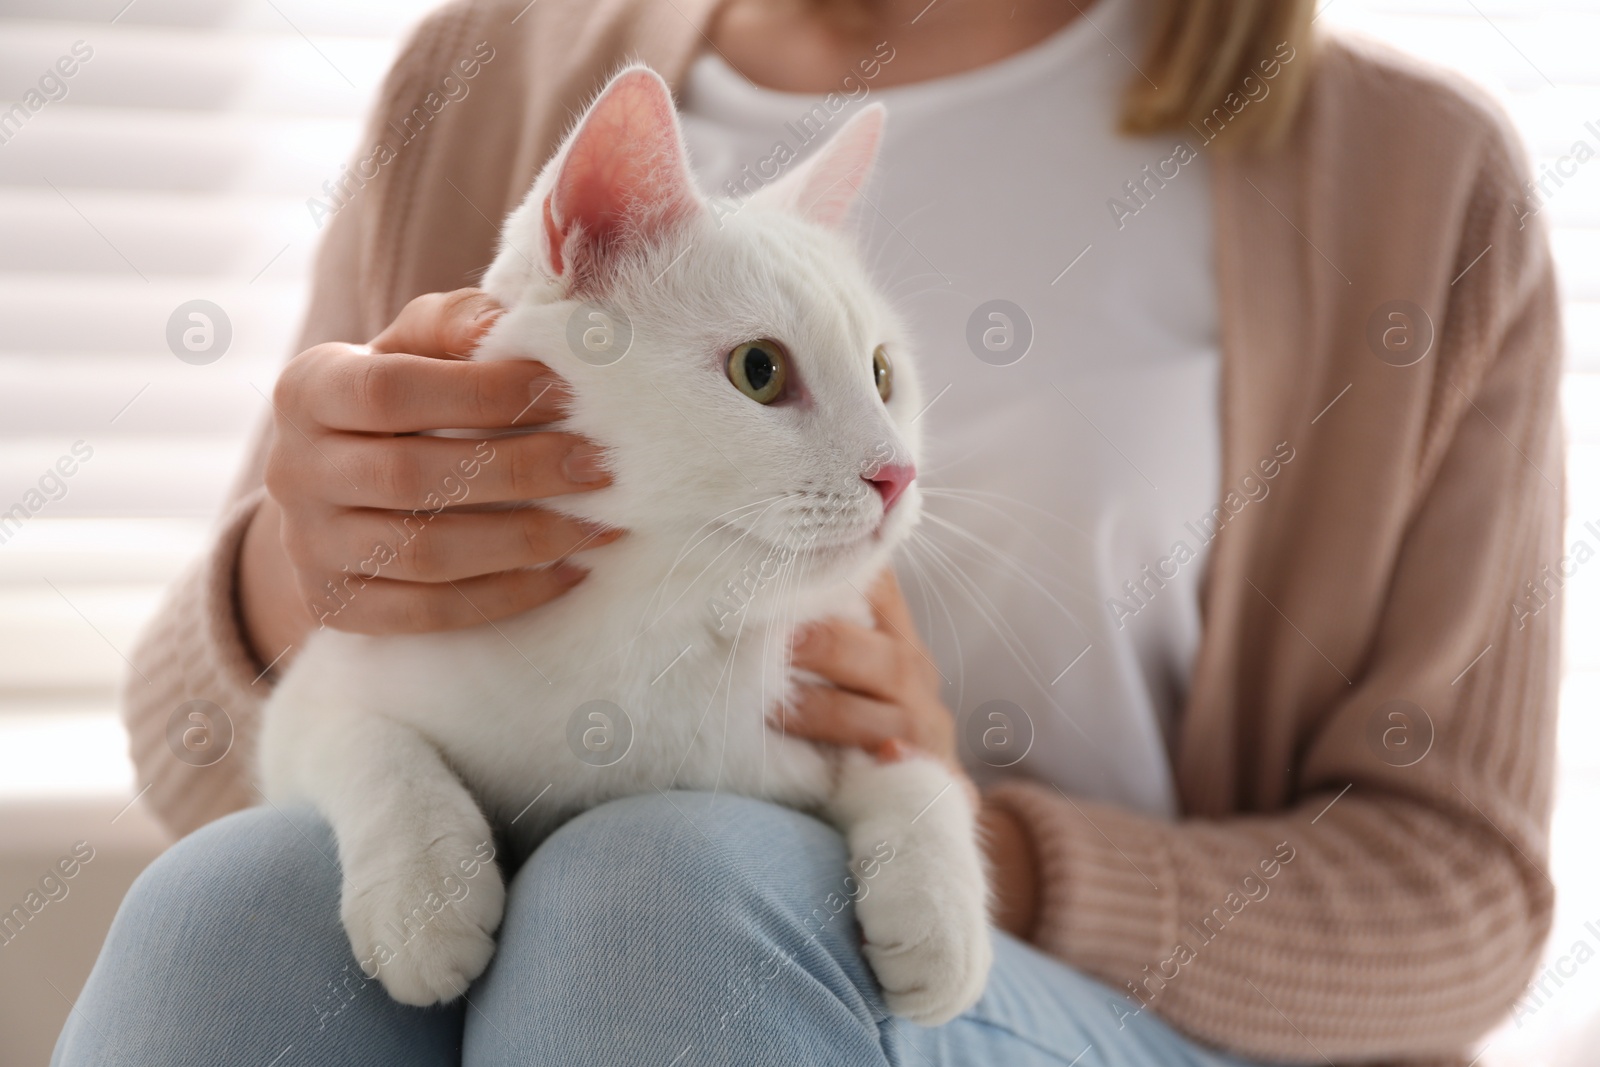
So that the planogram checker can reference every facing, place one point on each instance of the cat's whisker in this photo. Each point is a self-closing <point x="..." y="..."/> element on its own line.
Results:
<point x="763" y="701"/>
<point x="787" y="566"/>
<point x="717" y="524"/>
<point x="780" y="589"/>
<point x="644" y="628"/>
<point x="787" y="585"/>
<point x="986" y="609"/>
<point x="786" y="597"/>
<point x="909" y="248"/>
<point x="1007" y="560"/>
<point x="930" y="595"/>
<point x="878" y="253"/>
<point x="725" y="675"/>
<point x="901" y="285"/>
<point x="908" y="295"/>
<point x="899" y="276"/>
<point x="984" y="499"/>
<point x="1008" y="637"/>
<point x="714" y="521"/>
<point x="933" y="465"/>
<point x="771" y="502"/>
<point x="983" y="496"/>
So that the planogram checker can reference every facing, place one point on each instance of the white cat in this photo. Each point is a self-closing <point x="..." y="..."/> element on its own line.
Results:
<point x="755" y="397"/>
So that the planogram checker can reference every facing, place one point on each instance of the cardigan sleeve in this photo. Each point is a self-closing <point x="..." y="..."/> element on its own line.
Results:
<point x="1398" y="906"/>
<point x="194" y="647"/>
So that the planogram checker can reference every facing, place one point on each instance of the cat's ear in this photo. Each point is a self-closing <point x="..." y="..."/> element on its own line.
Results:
<point x="825" y="186"/>
<point x="621" y="176"/>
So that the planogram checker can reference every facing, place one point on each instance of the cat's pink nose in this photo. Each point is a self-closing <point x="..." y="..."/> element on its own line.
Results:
<point x="890" y="481"/>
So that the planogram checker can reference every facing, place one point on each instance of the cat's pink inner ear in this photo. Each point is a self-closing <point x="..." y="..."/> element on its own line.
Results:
<point x="825" y="187"/>
<point x="625" y="173"/>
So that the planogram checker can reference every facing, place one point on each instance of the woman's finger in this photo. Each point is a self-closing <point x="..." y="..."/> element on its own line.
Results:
<point x="386" y="606"/>
<point x="440" y="325"/>
<point x="409" y="473"/>
<point x="868" y="661"/>
<point x="889" y="606"/>
<point x="839" y="717"/>
<point x="344" y="388"/>
<point x="450" y="546"/>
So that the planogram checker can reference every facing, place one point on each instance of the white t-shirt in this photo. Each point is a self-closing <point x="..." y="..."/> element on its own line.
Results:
<point x="1068" y="470"/>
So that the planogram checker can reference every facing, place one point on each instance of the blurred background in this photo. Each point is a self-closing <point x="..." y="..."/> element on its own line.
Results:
<point x="175" y="165"/>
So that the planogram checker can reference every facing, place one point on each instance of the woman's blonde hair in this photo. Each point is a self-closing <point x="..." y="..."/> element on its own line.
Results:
<point x="1233" y="71"/>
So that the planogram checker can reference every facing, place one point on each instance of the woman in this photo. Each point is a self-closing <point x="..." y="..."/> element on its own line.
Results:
<point x="1285" y="331"/>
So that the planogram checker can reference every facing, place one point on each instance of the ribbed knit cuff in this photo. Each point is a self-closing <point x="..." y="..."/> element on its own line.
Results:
<point x="194" y="649"/>
<point x="1107" y="890"/>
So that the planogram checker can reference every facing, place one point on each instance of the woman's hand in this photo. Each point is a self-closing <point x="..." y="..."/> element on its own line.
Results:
<point x="349" y="495"/>
<point x="885" y="687"/>
<point x="884" y="698"/>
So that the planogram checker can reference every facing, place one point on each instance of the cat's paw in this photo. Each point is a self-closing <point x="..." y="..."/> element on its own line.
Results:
<point x="424" y="923"/>
<point x="926" y="935"/>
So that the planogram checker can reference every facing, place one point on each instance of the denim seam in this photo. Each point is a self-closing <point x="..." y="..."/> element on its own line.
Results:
<point x="891" y="1023"/>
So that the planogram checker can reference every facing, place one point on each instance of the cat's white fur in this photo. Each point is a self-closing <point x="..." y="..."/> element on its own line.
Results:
<point x="744" y="520"/>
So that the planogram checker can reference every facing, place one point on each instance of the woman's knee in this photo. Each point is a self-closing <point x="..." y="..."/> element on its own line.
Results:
<point x="694" y="873"/>
<point x="718" y="906"/>
<point x="257" y="866"/>
<point x="232" y="939"/>
<point x="685" y="855"/>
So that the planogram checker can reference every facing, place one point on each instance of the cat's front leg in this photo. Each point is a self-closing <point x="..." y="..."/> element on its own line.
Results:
<point x="922" y="900"/>
<point x="422" y="895"/>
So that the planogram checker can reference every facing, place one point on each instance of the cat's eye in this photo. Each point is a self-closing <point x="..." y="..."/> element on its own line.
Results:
<point x="882" y="373"/>
<point x="759" y="369"/>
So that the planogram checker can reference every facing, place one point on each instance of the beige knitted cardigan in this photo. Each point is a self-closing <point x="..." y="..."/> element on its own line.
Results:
<point x="1384" y="565"/>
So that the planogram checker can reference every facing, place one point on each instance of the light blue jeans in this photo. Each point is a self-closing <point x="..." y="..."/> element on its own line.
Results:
<point x="677" y="930"/>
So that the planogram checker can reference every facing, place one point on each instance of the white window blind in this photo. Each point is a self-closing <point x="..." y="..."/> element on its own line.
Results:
<point x="152" y="153"/>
